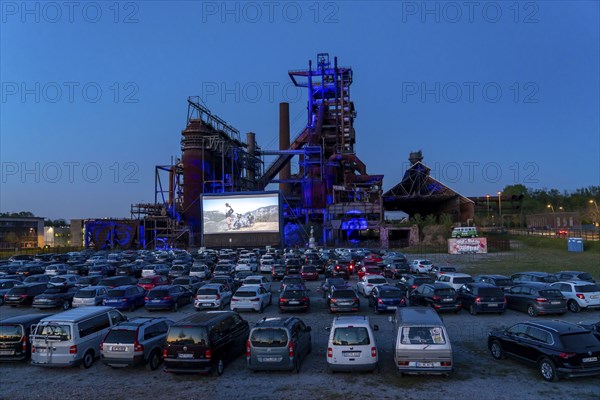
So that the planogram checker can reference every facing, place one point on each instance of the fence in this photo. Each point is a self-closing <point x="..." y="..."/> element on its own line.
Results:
<point x="553" y="233"/>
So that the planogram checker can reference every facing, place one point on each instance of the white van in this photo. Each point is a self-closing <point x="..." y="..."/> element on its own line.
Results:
<point x="352" y="345"/>
<point x="422" y="342"/>
<point x="73" y="337"/>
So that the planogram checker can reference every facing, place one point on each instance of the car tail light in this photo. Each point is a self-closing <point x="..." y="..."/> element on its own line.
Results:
<point x="477" y="299"/>
<point x="333" y="300"/>
<point x="373" y="351"/>
<point x="567" y="355"/>
<point x="23" y="296"/>
<point x="541" y="299"/>
<point x="125" y="300"/>
<point x="24" y="343"/>
<point x="379" y="301"/>
<point x="329" y="352"/>
<point x="217" y="297"/>
<point x="146" y="298"/>
<point x="137" y="346"/>
<point x="197" y="297"/>
<point x="436" y="298"/>
<point x="73" y="350"/>
<point x="101" y="346"/>
<point x="248" y="352"/>
<point x="413" y="287"/>
<point x="580" y="295"/>
<point x="168" y="298"/>
<point x="403" y="301"/>
<point x="291" y="349"/>
<point x="164" y="353"/>
<point x="403" y="363"/>
<point x="446" y="363"/>
<point x="208" y="354"/>
<point x="33" y="349"/>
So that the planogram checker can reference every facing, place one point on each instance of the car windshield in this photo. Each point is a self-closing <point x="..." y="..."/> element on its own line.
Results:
<point x="419" y="281"/>
<point x="344" y="293"/>
<point x="390" y="294"/>
<point x="269" y="337"/>
<point x="207" y="292"/>
<point x="58" y="279"/>
<point x="587" y="288"/>
<point x="120" y="336"/>
<point x="550" y="279"/>
<point x="351" y="336"/>
<point x="10" y="333"/>
<point x="86" y="294"/>
<point x="54" y="331"/>
<point x="18" y="290"/>
<point x="187" y="335"/>
<point x="423" y="335"/>
<point x="116" y="293"/>
<point x="579" y="342"/>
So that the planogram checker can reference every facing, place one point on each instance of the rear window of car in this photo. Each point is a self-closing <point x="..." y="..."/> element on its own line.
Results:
<point x="377" y="280"/>
<point x="351" y="336"/>
<point x="120" y="336"/>
<point x="292" y="280"/>
<point x="158" y="293"/>
<point x="309" y="269"/>
<point x="116" y="293"/>
<point x="58" y="279"/>
<point x="293" y="294"/>
<point x="10" y="333"/>
<point x="54" y="331"/>
<point x="187" y="335"/>
<point x="579" y="342"/>
<point x="344" y="293"/>
<point x="587" y="288"/>
<point x="207" y="292"/>
<point x="490" y="292"/>
<point x="503" y="282"/>
<point x="245" y="293"/>
<point x="419" y="281"/>
<point x="269" y="337"/>
<point x="18" y="290"/>
<point x="54" y="290"/>
<point x="86" y="294"/>
<point x="551" y="293"/>
<point x="425" y="262"/>
<point x="447" y="269"/>
<point x="252" y="281"/>
<point x="585" y="276"/>
<point x="146" y="280"/>
<point x="197" y="269"/>
<point x="423" y="335"/>
<point x="390" y="294"/>
<point x="444" y="292"/>
<point x="181" y="281"/>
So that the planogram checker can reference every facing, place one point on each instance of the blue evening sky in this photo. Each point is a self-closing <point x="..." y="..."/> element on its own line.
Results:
<point x="94" y="94"/>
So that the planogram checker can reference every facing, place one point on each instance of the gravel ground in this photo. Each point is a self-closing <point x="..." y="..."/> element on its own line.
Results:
<point x="476" y="374"/>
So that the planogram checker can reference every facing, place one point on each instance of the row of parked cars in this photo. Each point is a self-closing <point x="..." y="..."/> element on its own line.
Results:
<point x="206" y="342"/>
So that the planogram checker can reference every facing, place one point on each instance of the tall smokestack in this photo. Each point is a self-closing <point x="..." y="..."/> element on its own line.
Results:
<point x="284" y="144"/>
<point x="251" y="141"/>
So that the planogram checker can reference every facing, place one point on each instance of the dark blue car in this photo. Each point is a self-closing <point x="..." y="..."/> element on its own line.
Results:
<point x="168" y="298"/>
<point x="127" y="297"/>
<point x="386" y="298"/>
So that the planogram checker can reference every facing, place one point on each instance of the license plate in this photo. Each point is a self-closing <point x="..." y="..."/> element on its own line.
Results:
<point x="595" y="296"/>
<point x="447" y="299"/>
<point x="206" y="305"/>
<point x="424" y="365"/>
<point x="492" y="305"/>
<point x="6" y="352"/>
<point x="555" y="302"/>
<point x="590" y="359"/>
<point x="351" y="353"/>
<point x="391" y="307"/>
<point x="269" y="359"/>
<point x="185" y="355"/>
<point x="155" y="301"/>
<point x="294" y="302"/>
<point x="12" y="298"/>
<point x="118" y="348"/>
<point x="41" y="349"/>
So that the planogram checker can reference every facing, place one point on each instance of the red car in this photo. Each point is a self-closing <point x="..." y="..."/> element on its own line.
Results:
<point x="309" y="273"/>
<point x="150" y="282"/>
<point x="376" y="258"/>
<point x="369" y="270"/>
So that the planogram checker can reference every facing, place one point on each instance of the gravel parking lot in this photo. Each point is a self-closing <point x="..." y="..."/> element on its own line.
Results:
<point x="476" y="374"/>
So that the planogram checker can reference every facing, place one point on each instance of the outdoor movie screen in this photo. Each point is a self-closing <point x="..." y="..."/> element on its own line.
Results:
<point x="241" y="213"/>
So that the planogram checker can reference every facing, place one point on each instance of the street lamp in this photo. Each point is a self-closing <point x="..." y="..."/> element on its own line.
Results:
<point x="553" y="214"/>
<point x="594" y="203"/>
<point x="500" y="207"/>
<point x="487" y="196"/>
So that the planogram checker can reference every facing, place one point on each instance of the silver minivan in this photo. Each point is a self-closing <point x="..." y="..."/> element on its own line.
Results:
<point x="422" y="342"/>
<point x="89" y="296"/>
<point x="73" y="337"/>
<point x="352" y="345"/>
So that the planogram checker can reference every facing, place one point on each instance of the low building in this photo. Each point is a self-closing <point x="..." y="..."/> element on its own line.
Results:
<point x="21" y="232"/>
<point x="556" y="220"/>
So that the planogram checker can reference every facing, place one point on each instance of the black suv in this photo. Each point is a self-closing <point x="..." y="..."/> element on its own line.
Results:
<point x="294" y="297"/>
<point x="408" y="283"/>
<point x="536" y="299"/>
<point x="574" y="276"/>
<point x="440" y="296"/>
<point x="203" y="343"/>
<point x="482" y="297"/>
<point x="558" y="348"/>
<point x="56" y="296"/>
<point x="14" y="337"/>
<point x="23" y="295"/>
<point x="503" y="282"/>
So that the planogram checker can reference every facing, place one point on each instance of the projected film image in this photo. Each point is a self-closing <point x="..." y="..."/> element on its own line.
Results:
<point x="243" y="213"/>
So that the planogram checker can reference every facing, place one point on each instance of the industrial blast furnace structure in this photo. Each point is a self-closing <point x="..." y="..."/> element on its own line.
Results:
<point x="331" y="190"/>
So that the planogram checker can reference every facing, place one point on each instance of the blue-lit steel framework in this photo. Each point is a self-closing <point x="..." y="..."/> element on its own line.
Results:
<point x="109" y="234"/>
<point x="332" y="181"/>
<point x="419" y="193"/>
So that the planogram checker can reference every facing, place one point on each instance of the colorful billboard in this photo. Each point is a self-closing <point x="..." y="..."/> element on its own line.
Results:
<point x="241" y="213"/>
<point x="467" y="245"/>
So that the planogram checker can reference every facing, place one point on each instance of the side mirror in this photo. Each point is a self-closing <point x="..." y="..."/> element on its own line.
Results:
<point x="375" y="327"/>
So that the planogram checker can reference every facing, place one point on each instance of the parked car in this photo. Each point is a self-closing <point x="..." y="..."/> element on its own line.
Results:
<point x="579" y="294"/>
<point x="63" y="280"/>
<point x="309" y="273"/>
<point x="155" y="269"/>
<point x="535" y="299"/>
<point x="291" y="279"/>
<point x="527" y="277"/>
<point x="6" y="285"/>
<point x="437" y="271"/>
<point x="455" y="279"/>
<point x="138" y="341"/>
<point x="56" y="269"/>
<point x="152" y="281"/>
<point x="352" y="345"/>
<point x="101" y="269"/>
<point x="89" y="296"/>
<point x="212" y="295"/>
<point x="28" y="270"/>
<point x="90" y="280"/>
<point x="167" y="298"/>
<point x="343" y="299"/>
<point x="227" y="281"/>
<point x="278" y="271"/>
<point x="55" y="296"/>
<point x="408" y="283"/>
<point x="40" y="278"/>
<point x="23" y="295"/>
<point x="294" y="298"/>
<point x="278" y="344"/>
<point x="128" y="297"/>
<point x="479" y="297"/>
<point x="557" y="348"/>
<point x="368" y="282"/>
<point x="14" y="336"/>
<point x="259" y="280"/>
<point x="501" y="281"/>
<point x="574" y="276"/>
<point x="338" y="270"/>
<point x="179" y="270"/>
<point x="199" y="344"/>
<point x="439" y="296"/>
<point x="421" y="266"/>
<point x="394" y="269"/>
<point x="252" y="297"/>
<point x="78" y="269"/>
<point x="116" y="281"/>
<point x="191" y="283"/>
<point x="201" y="271"/>
<point x="386" y="298"/>
<point x="329" y="282"/>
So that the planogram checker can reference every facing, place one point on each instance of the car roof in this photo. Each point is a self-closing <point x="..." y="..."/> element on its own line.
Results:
<point x="458" y="275"/>
<point x="203" y="318"/>
<point x="275" y="322"/>
<point x="294" y="286"/>
<point x="575" y="282"/>
<point x="23" y="319"/>
<point x="123" y="287"/>
<point x="572" y="272"/>
<point x="212" y="286"/>
<point x="558" y="326"/>
<point x="534" y="273"/>
<point x="92" y="287"/>
<point x="256" y="277"/>
<point x="438" y="285"/>
<point x="482" y="285"/>
<point x="356" y="320"/>
<point x="389" y="287"/>
<point x="76" y="314"/>
<point x="136" y="322"/>
<point x="537" y="285"/>
<point x="493" y="276"/>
